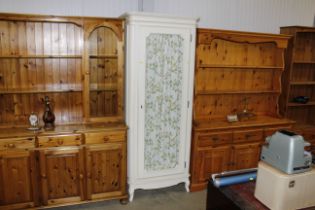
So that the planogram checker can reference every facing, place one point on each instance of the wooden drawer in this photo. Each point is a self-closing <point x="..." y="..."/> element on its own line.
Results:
<point x="270" y="131"/>
<point x="309" y="135"/>
<point x="17" y="143"/>
<point x="248" y="136"/>
<point x="310" y="148"/>
<point x="214" y="139"/>
<point x="104" y="137"/>
<point x="60" y="140"/>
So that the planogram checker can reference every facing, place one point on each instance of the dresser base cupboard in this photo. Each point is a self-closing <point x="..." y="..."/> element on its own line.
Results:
<point x="219" y="150"/>
<point x="237" y="74"/>
<point x="78" y="165"/>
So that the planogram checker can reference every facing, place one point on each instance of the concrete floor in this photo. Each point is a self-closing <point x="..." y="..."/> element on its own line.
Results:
<point x="172" y="198"/>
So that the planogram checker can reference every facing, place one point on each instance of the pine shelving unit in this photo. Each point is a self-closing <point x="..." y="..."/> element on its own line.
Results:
<point x="299" y="80"/>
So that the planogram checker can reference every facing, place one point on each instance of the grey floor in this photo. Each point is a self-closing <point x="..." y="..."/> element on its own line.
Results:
<point x="172" y="198"/>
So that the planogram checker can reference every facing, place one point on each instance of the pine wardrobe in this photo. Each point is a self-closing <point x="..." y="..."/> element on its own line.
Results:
<point x="160" y="54"/>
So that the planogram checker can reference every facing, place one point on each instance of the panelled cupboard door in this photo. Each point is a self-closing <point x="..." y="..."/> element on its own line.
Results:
<point x="62" y="175"/>
<point x="17" y="179"/>
<point x="106" y="170"/>
<point x="245" y="156"/>
<point x="163" y="58"/>
<point x="215" y="160"/>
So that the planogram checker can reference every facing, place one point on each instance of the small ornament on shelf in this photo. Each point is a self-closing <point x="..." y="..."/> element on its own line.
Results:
<point x="34" y="122"/>
<point x="232" y="118"/>
<point x="301" y="99"/>
<point x="48" y="117"/>
<point x="245" y="114"/>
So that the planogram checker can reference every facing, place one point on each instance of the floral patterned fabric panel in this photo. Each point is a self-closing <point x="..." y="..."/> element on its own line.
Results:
<point x="163" y="94"/>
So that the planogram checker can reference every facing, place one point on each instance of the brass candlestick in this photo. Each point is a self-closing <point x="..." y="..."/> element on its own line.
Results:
<point x="245" y="114"/>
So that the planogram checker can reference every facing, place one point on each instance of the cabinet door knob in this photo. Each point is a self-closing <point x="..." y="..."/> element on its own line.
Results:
<point x="81" y="176"/>
<point x="11" y="145"/>
<point x="215" y="138"/>
<point x="106" y="139"/>
<point x="89" y="175"/>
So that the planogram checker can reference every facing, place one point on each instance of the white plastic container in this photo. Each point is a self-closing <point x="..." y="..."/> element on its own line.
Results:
<point x="280" y="191"/>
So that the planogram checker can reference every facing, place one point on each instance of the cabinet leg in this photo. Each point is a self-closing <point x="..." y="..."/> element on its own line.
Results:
<point x="187" y="186"/>
<point x="131" y="193"/>
<point x="123" y="201"/>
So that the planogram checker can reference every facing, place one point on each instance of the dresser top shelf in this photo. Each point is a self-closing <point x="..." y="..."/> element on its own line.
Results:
<point x="14" y="132"/>
<point x="223" y="124"/>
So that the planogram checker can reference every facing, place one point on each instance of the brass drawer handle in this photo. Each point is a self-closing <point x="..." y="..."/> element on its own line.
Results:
<point x="88" y="175"/>
<point x="248" y="136"/>
<point x="215" y="139"/>
<point x="11" y="146"/>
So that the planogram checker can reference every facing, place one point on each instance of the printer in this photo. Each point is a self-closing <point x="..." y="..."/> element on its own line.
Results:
<point x="284" y="150"/>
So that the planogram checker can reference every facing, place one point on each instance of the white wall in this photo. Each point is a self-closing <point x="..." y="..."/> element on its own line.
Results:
<point x="245" y="15"/>
<point x="102" y="8"/>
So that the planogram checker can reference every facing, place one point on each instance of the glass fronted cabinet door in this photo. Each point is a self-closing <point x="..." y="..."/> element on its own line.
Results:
<point x="163" y="97"/>
<point x="104" y="73"/>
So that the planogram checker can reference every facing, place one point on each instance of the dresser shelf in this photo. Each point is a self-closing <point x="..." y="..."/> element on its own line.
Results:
<point x="219" y="92"/>
<point x="302" y="83"/>
<point x="103" y="89"/>
<point x="238" y="67"/>
<point x="104" y="56"/>
<point x="310" y="103"/>
<point x="223" y="124"/>
<point x="40" y="91"/>
<point x="38" y="56"/>
<point x="303" y="62"/>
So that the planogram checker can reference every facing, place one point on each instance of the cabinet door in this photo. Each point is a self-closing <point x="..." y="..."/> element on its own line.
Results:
<point x="62" y="175"/>
<point x="17" y="176"/>
<point x="215" y="160"/>
<point x="245" y="156"/>
<point x="104" y="70"/>
<point x="106" y="170"/>
<point x="164" y="80"/>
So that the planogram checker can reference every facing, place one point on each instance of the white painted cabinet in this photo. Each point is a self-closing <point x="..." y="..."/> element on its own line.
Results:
<point x="159" y="92"/>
